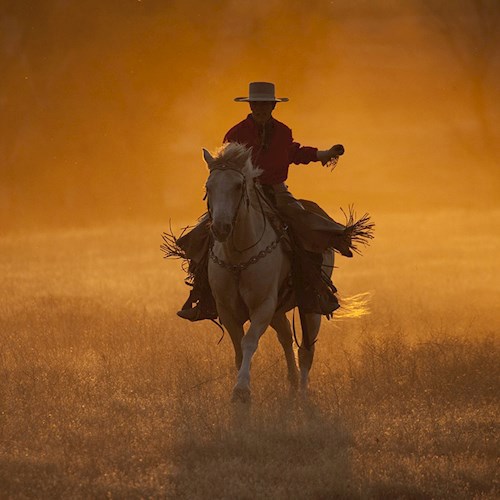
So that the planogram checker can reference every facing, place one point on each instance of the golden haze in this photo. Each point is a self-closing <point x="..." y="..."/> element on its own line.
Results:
<point x="106" y="107"/>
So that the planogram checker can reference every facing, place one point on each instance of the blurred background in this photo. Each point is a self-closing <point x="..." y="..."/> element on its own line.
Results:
<point x="105" y="105"/>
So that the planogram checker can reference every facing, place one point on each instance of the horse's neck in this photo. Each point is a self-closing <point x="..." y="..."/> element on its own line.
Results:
<point x="251" y="225"/>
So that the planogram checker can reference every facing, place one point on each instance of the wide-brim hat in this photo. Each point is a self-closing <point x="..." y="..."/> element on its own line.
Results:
<point x="261" y="91"/>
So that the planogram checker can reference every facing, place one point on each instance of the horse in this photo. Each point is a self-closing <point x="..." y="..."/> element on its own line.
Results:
<point x="248" y="266"/>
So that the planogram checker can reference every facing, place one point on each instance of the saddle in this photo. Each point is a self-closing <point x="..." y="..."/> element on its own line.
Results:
<point x="308" y="287"/>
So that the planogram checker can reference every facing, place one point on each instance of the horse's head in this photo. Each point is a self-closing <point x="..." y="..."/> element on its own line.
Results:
<point x="226" y="186"/>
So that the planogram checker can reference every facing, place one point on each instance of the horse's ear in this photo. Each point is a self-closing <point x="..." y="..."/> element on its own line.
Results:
<point x="208" y="158"/>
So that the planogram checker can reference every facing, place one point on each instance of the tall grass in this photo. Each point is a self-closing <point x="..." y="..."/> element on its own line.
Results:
<point x="105" y="393"/>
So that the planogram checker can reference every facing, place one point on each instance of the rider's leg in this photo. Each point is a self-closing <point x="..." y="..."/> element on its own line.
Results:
<point x="195" y="245"/>
<point x="314" y="289"/>
<point x="200" y="296"/>
<point x="313" y="227"/>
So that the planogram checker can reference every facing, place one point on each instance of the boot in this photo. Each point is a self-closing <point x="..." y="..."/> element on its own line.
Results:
<point x="201" y="296"/>
<point x="314" y="290"/>
<point x="197" y="313"/>
<point x="204" y="307"/>
<point x="319" y="299"/>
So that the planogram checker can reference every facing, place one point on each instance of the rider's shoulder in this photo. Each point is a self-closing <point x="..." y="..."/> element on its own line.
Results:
<point x="281" y="126"/>
<point x="243" y="124"/>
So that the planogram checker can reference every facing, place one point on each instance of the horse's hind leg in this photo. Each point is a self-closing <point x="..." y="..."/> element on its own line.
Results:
<point x="281" y="324"/>
<point x="306" y="356"/>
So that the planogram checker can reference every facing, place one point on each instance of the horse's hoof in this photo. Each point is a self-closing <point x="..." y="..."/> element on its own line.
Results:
<point x="241" y="395"/>
<point x="304" y="391"/>
<point x="293" y="380"/>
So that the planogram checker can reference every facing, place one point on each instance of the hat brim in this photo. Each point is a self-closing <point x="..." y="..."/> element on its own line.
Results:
<point x="261" y="99"/>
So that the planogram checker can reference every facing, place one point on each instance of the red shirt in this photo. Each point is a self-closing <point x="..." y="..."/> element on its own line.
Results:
<point x="275" y="157"/>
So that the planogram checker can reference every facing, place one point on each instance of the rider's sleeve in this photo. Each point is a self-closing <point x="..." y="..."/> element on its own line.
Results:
<point x="301" y="154"/>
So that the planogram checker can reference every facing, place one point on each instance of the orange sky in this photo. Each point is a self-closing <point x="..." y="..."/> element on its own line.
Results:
<point x="106" y="105"/>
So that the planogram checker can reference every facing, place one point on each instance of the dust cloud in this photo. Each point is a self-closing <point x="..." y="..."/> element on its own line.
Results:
<point x="104" y="109"/>
<point x="106" y="105"/>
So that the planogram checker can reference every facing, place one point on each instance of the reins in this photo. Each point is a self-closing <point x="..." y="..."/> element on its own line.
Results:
<point x="264" y="218"/>
<point x="244" y="195"/>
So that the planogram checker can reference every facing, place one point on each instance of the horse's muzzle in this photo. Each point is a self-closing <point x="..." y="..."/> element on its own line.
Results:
<point x="221" y="231"/>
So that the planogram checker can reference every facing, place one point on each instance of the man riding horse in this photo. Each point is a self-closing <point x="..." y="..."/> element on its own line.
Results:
<point x="312" y="231"/>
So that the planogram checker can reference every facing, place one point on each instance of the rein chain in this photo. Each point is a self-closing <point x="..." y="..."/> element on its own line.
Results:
<point x="236" y="269"/>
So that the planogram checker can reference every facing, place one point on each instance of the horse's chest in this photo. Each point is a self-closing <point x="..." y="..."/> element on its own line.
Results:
<point x="263" y="275"/>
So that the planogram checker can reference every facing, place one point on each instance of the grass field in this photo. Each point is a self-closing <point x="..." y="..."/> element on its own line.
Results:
<point x="106" y="393"/>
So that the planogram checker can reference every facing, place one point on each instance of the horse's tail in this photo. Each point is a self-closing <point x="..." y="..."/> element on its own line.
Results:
<point x="354" y="306"/>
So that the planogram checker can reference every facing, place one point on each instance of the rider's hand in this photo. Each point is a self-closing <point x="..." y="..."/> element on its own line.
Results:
<point x="328" y="154"/>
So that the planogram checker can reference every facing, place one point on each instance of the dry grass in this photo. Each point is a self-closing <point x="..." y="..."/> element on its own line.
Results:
<point x="105" y="393"/>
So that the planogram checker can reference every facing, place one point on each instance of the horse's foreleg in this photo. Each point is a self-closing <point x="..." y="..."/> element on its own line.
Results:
<point x="282" y="326"/>
<point x="259" y="321"/>
<point x="306" y="356"/>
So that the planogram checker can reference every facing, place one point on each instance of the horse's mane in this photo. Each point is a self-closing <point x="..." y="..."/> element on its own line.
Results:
<point x="236" y="156"/>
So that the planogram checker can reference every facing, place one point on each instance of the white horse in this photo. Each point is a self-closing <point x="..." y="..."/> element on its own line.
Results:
<point x="248" y="266"/>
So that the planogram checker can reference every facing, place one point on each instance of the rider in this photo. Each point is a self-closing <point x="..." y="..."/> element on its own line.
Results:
<point x="313" y="231"/>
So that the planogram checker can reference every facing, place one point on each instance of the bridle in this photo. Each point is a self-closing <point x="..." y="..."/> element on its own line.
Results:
<point x="243" y="196"/>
